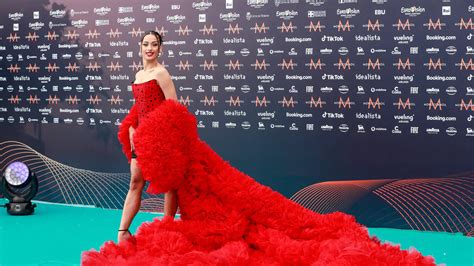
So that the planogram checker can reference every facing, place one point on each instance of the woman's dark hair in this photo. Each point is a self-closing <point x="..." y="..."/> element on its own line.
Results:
<point x="157" y="35"/>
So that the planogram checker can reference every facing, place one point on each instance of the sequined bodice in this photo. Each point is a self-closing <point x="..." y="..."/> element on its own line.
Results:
<point x="148" y="95"/>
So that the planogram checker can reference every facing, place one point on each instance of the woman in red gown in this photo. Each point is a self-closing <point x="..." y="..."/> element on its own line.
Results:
<point x="227" y="218"/>
<point x="147" y="97"/>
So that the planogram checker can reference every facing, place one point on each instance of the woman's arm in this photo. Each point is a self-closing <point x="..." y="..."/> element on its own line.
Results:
<point x="128" y="123"/>
<point x="166" y="84"/>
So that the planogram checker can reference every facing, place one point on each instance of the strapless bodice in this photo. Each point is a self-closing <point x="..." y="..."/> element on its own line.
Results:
<point x="148" y="95"/>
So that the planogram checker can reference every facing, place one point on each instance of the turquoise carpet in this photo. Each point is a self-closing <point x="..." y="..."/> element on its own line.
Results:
<point x="57" y="234"/>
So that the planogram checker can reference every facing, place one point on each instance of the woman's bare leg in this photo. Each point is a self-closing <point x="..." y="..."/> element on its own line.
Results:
<point x="171" y="203"/>
<point x="132" y="201"/>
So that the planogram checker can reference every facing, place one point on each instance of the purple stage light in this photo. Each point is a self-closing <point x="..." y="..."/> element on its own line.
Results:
<point x="16" y="173"/>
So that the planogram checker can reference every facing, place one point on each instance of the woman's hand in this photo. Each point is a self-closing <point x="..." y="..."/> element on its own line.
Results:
<point x="131" y="131"/>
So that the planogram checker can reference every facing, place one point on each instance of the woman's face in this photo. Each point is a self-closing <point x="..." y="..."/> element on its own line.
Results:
<point x="150" y="47"/>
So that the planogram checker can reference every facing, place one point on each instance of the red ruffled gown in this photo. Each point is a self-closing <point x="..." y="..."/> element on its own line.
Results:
<point x="227" y="218"/>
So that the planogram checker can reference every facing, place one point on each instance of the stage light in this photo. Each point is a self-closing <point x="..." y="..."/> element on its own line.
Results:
<point x="19" y="185"/>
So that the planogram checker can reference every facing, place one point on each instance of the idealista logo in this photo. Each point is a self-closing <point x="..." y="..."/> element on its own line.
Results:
<point x="151" y="8"/>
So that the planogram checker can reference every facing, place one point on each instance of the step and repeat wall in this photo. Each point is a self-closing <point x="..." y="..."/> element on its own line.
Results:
<point x="362" y="106"/>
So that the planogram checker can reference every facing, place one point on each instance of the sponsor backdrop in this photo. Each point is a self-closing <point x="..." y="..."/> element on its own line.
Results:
<point x="363" y="106"/>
